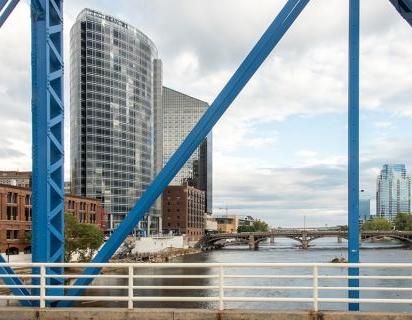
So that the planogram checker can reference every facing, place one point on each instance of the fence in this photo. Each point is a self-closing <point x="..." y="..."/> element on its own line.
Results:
<point x="220" y="283"/>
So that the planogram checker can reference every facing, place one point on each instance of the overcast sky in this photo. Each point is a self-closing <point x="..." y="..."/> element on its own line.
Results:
<point x="280" y="152"/>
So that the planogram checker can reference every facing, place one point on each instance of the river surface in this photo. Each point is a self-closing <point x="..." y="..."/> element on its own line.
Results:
<point x="323" y="250"/>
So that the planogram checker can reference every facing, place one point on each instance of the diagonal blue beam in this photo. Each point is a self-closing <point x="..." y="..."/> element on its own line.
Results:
<point x="240" y="78"/>
<point x="404" y="8"/>
<point x="14" y="280"/>
<point x="2" y="4"/>
<point x="9" y="9"/>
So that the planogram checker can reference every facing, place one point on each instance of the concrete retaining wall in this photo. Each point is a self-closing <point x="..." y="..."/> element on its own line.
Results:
<point x="11" y="313"/>
<point x="156" y="244"/>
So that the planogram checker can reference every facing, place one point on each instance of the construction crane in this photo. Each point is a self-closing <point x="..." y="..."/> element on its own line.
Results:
<point x="226" y="208"/>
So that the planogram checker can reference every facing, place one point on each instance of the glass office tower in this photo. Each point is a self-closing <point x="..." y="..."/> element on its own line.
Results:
<point x="113" y="90"/>
<point x="364" y="206"/>
<point x="180" y="113"/>
<point x="393" y="191"/>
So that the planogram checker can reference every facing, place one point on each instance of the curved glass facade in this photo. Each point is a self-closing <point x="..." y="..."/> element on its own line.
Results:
<point x="112" y="92"/>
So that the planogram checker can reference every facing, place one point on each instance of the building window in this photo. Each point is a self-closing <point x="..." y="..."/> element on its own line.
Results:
<point x="27" y="234"/>
<point x="11" y="197"/>
<point x="12" y="234"/>
<point x="71" y="204"/>
<point x="27" y="213"/>
<point x="27" y="200"/>
<point x="11" y="213"/>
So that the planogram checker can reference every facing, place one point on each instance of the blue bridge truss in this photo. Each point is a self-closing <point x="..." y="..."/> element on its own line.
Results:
<point x="48" y="146"/>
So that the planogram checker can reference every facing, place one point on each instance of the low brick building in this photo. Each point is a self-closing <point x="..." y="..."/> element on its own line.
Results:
<point x="16" y="178"/>
<point x="230" y="223"/>
<point x="183" y="210"/>
<point x="16" y="216"/>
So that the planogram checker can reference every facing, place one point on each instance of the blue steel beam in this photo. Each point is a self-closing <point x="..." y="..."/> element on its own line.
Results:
<point x="14" y="280"/>
<point x="2" y="4"/>
<point x="353" y="149"/>
<point x="240" y="78"/>
<point x="6" y="12"/>
<point x="404" y="7"/>
<point x="47" y="127"/>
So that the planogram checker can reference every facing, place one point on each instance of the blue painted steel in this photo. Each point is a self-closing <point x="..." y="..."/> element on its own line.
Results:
<point x="6" y="12"/>
<point x="2" y="4"/>
<point x="404" y="7"/>
<point x="262" y="49"/>
<point x="353" y="146"/>
<point x="47" y="126"/>
<point x="14" y="280"/>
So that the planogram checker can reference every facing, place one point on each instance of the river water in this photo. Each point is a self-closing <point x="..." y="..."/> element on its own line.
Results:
<point x="323" y="250"/>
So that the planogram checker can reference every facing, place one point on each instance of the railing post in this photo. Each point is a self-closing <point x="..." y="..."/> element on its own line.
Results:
<point x="315" y="289"/>
<point x="130" y="291"/>
<point x="43" y="286"/>
<point x="221" y="288"/>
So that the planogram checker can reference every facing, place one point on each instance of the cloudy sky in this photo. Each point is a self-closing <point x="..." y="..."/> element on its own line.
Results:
<point x="280" y="151"/>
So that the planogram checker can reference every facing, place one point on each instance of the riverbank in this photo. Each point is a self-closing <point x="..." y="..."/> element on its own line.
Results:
<point x="157" y="257"/>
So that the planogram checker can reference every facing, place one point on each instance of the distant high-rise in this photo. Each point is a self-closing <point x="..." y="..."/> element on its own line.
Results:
<point x="364" y="206"/>
<point x="178" y="116"/>
<point x="393" y="191"/>
<point x="114" y="89"/>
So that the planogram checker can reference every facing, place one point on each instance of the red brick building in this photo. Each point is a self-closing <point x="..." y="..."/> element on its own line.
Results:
<point x="183" y="210"/>
<point x="16" y="178"/>
<point x="16" y="216"/>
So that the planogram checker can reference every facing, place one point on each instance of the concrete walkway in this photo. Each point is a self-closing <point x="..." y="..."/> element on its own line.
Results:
<point x="12" y="313"/>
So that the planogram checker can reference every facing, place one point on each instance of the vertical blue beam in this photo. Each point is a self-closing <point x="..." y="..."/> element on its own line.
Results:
<point x="353" y="149"/>
<point x="246" y="70"/>
<point x="9" y="9"/>
<point x="47" y="144"/>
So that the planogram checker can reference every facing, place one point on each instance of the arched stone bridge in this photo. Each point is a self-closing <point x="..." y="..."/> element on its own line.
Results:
<point x="304" y="237"/>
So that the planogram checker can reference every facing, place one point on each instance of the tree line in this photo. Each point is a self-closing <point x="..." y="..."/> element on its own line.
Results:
<point x="402" y="222"/>
<point x="257" y="226"/>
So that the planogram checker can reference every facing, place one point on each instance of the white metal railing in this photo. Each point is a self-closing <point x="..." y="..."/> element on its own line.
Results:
<point x="220" y="283"/>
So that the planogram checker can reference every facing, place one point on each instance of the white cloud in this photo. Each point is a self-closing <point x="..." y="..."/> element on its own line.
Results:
<point x="201" y="44"/>
<point x="383" y="124"/>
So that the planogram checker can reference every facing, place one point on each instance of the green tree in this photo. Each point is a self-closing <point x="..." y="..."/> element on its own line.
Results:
<point x="379" y="224"/>
<point x="82" y="238"/>
<point x="403" y="222"/>
<point x="260" y="226"/>
<point x="245" y="229"/>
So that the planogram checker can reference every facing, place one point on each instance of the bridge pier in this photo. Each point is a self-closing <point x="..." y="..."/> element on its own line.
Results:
<point x="272" y="240"/>
<point x="252" y="243"/>
<point x="304" y="241"/>
<point x="305" y="244"/>
<point x="339" y="239"/>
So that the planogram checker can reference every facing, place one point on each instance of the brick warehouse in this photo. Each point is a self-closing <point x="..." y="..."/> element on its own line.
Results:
<point x="184" y="211"/>
<point x="16" y="213"/>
